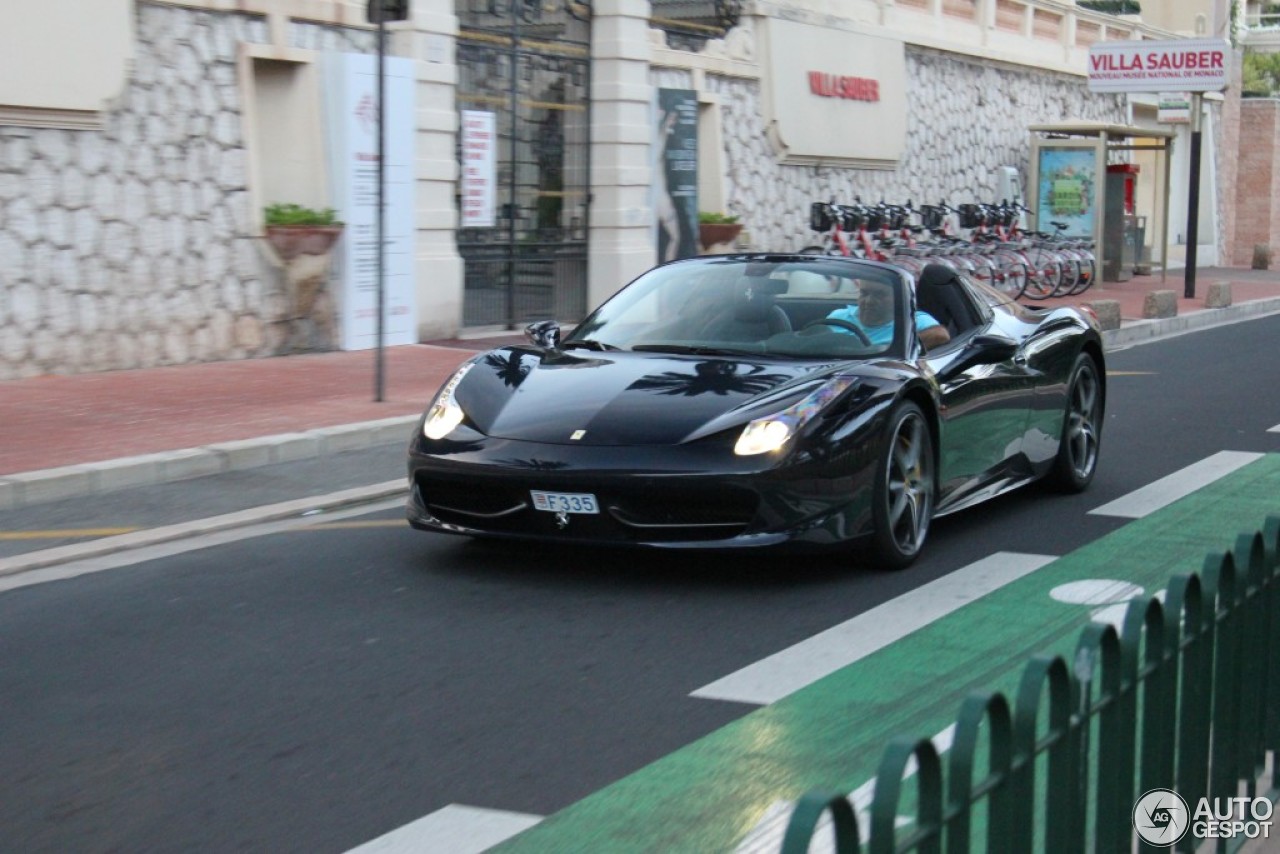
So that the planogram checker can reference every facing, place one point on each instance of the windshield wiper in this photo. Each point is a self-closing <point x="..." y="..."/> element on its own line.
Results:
<point x="587" y="344"/>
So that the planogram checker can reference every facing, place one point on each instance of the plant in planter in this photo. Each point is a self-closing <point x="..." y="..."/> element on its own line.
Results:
<point x="717" y="229"/>
<point x="302" y="238"/>
<point x="295" y="230"/>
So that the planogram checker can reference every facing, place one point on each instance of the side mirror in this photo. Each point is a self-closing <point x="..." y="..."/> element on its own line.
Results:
<point x="982" y="350"/>
<point x="544" y="333"/>
<point x="989" y="349"/>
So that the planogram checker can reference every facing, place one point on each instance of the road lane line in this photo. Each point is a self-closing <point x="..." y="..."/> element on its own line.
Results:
<point x="298" y="508"/>
<point x="58" y="565"/>
<point x="786" y="672"/>
<point x="65" y="533"/>
<point x="1180" y="484"/>
<point x="1275" y="429"/>
<point x="456" y="829"/>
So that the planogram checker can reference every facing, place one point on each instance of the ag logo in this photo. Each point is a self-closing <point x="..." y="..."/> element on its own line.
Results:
<point x="1160" y="817"/>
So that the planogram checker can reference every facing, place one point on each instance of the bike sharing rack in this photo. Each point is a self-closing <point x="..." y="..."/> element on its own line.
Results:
<point x="1072" y="182"/>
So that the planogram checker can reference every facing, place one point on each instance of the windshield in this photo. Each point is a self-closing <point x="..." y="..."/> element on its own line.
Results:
<point x="824" y="308"/>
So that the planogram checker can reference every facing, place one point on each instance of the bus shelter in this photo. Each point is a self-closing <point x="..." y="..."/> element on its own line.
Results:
<point x="1106" y="182"/>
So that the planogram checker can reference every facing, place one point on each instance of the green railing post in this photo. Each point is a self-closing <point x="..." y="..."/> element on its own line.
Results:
<point x="1185" y="599"/>
<point x="1250" y="556"/>
<point x="1226" y="678"/>
<point x="1271" y="723"/>
<point x="963" y="790"/>
<point x="927" y="837"/>
<point x="1106" y="657"/>
<point x="804" y="821"/>
<point x="1157" y="677"/>
<point x="1040" y="671"/>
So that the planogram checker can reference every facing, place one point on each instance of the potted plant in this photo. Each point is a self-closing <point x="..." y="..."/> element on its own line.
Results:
<point x="716" y="229"/>
<point x="294" y="230"/>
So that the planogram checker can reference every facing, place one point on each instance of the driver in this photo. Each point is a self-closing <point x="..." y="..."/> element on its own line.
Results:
<point x="874" y="314"/>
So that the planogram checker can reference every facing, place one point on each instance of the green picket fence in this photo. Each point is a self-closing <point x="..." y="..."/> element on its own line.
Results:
<point x="1186" y="696"/>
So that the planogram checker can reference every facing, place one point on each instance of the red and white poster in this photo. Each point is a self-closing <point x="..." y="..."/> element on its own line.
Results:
<point x="479" y="168"/>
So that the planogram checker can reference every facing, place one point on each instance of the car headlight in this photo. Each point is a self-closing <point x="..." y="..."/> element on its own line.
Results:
<point x="772" y="432"/>
<point x="445" y="413"/>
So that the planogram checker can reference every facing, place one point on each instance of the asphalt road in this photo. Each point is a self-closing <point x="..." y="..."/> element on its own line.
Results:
<point x="318" y="685"/>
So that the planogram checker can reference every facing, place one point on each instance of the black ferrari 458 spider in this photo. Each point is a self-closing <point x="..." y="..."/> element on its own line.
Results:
<point x="754" y="400"/>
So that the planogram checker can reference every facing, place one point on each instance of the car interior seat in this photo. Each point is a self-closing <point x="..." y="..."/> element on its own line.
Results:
<point x="754" y="314"/>
<point x="938" y="293"/>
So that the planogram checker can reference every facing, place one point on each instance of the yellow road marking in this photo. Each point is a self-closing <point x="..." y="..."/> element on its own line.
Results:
<point x="69" y="533"/>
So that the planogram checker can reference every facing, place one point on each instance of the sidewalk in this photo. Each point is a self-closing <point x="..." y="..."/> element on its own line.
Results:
<point x="64" y="436"/>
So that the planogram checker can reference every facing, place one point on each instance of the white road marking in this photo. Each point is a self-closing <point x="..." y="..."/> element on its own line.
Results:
<point x="1095" y="591"/>
<point x="456" y="829"/>
<point x="786" y="672"/>
<point x="1275" y="429"/>
<point x="65" y="562"/>
<point x="1181" y="483"/>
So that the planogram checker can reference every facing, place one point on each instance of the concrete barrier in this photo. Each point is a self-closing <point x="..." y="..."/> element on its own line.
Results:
<point x="1108" y="312"/>
<point x="1158" y="304"/>
<point x="1219" y="295"/>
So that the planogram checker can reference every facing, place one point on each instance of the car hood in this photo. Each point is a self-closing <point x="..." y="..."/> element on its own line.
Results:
<point x="627" y="398"/>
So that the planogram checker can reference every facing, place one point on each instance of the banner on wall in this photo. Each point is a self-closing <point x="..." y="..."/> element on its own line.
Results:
<point x="1067" y="191"/>
<point x="676" y="174"/>
<point x="351" y="117"/>
<point x="479" y="168"/>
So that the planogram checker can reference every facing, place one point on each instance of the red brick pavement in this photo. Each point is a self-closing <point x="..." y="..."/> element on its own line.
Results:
<point x="52" y="421"/>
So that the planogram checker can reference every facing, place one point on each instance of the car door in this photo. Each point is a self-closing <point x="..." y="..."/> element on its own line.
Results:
<point x="987" y="390"/>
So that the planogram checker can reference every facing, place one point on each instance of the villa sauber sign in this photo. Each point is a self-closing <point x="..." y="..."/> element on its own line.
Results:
<point x="1174" y="65"/>
<point x="832" y="97"/>
<point x="850" y="88"/>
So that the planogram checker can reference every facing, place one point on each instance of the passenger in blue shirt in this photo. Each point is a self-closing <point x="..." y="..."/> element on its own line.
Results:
<point x="874" y="314"/>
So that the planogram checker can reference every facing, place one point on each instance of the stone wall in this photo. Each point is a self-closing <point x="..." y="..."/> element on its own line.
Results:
<point x="965" y="118"/>
<point x="132" y="246"/>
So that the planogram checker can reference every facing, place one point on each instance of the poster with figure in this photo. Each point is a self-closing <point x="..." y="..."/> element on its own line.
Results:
<point x="1067" y="191"/>
<point x="676" y="174"/>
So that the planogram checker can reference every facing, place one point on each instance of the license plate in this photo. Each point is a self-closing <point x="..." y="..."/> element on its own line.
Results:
<point x="564" y="502"/>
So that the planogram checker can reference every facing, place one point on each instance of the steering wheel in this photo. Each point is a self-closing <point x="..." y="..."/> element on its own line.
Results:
<point x="843" y="324"/>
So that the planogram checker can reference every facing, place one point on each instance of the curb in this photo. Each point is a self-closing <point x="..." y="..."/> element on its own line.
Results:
<point x="1141" y="331"/>
<point x="27" y="489"/>
<point x="168" y="533"/>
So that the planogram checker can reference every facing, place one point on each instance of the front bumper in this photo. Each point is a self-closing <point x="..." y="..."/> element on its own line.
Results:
<point x="698" y="496"/>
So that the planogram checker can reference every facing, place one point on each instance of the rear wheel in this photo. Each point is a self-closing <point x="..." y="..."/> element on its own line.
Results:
<point x="1088" y="269"/>
<point x="905" y="483"/>
<point x="1011" y="276"/>
<point x="1078" y="448"/>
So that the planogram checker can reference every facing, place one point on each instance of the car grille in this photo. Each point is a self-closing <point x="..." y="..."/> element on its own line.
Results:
<point x="641" y="512"/>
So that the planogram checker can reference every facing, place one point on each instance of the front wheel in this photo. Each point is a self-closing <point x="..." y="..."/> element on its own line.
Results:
<point x="1077" y="459"/>
<point x="905" y="483"/>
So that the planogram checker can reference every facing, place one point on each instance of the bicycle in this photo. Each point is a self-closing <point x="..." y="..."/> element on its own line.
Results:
<point x="827" y="217"/>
